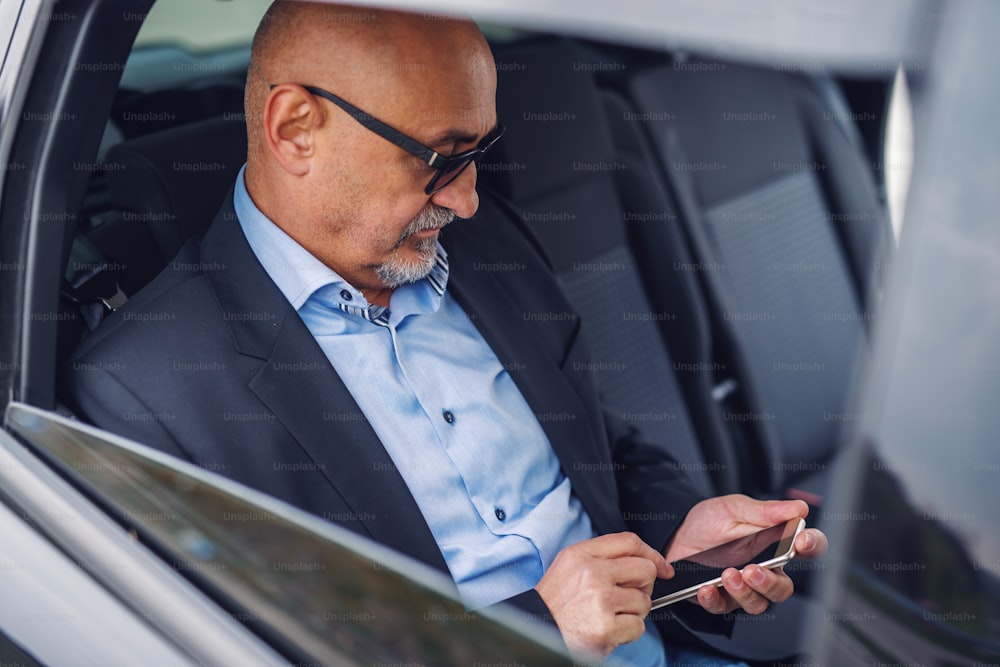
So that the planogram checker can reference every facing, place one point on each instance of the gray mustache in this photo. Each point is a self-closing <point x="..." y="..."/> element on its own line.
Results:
<point x="432" y="217"/>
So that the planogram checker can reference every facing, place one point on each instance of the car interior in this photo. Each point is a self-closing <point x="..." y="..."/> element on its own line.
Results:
<point x="718" y="227"/>
<point x="742" y="256"/>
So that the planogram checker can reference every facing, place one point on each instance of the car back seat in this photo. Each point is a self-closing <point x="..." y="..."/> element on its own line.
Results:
<point x="667" y="267"/>
<point x="558" y="162"/>
<point x="137" y="113"/>
<point x="780" y="210"/>
<point x="159" y="197"/>
<point x="587" y="197"/>
<point x="174" y="181"/>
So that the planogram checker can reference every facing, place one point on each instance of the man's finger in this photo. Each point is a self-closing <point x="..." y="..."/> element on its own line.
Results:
<point x="629" y="627"/>
<point x="621" y="545"/>
<point x="742" y="593"/>
<point x="772" y="584"/>
<point x="715" y="600"/>
<point x="604" y="632"/>
<point x="769" y="512"/>
<point x="633" y="572"/>
<point x="631" y="601"/>
<point x="811" y="543"/>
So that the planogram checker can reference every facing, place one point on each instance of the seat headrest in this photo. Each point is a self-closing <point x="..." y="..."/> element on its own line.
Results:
<point x="175" y="180"/>
<point x="548" y="99"/>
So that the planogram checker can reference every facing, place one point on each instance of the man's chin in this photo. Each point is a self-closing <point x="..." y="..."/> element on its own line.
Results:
<point x="398" y="271"/>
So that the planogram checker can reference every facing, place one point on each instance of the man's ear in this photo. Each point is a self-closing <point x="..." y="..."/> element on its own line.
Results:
<point x="291" y="116"/>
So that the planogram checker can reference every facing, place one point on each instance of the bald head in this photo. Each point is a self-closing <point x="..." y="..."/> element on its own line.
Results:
<point x="349" y="195"/>
<point x="372" y="58"/>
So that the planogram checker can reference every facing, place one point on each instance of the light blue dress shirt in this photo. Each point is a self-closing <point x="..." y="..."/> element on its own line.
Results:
<point x="468" y="446"/>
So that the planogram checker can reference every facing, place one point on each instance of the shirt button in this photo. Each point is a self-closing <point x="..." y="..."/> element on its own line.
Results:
<point x="449" y="416"/>
<point x="501" y="515"/>
<point x="345" y="295"/>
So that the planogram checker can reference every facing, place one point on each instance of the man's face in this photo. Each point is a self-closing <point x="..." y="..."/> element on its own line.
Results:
<point x="379" y="229"/>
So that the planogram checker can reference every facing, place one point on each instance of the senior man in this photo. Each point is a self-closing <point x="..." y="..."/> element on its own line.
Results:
<point x="397" y="387"/>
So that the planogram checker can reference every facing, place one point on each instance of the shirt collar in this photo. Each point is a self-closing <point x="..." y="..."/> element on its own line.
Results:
<point x="300" y="276"/>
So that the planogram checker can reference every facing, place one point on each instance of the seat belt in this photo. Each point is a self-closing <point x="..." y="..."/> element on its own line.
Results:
<point x="92" y="282"/>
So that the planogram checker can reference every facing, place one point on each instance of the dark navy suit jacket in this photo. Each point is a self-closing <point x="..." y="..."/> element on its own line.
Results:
<point x="211" y="363"/>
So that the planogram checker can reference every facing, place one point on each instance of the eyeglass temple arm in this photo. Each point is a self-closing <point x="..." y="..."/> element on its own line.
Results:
<point x="378" y="127"/>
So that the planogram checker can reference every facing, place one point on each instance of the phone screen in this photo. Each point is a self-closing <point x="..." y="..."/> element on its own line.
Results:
<point x="770" y="547"/>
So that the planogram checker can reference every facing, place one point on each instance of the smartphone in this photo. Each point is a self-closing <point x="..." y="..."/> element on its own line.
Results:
<point x="770" y="548"/>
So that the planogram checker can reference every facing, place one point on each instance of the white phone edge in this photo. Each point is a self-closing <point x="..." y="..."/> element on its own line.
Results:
<point x="691" y="591"/>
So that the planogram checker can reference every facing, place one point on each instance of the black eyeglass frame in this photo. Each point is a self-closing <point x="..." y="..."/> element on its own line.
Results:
<point x="450" y="165"/>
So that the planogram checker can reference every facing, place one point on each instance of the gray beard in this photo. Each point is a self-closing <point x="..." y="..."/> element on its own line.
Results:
<point x="396" y="271"/>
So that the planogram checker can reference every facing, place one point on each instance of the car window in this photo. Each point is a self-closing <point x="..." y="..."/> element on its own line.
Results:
<point x="173" y="48"/>
<point x="199" y="25"/>
<point x="923" y="577"/>
<point x="919" y="577"/>
<point x="8" y="19"/>
<point x="317" y="591"/>
<point x="45" y="595"/>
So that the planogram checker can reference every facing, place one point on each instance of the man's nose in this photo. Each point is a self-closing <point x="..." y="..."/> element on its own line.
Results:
<point x="460" y="196"/>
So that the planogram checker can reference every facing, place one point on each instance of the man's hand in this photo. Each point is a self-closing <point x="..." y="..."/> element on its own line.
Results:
<point x="599" y="591"/>
<point x="718" y="520"/>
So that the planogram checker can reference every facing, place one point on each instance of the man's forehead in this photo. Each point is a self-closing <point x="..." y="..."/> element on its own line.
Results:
<point x="443" y="106"/>
<point x="461" y="125"/>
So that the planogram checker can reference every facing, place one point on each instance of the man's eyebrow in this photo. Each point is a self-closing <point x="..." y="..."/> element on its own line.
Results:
<point x="451" y="137"/>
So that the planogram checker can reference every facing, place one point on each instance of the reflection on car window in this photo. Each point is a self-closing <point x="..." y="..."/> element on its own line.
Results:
<point x="913" y="586"/>
<point x="898" y="162"/>
<point x="315" y="591"/>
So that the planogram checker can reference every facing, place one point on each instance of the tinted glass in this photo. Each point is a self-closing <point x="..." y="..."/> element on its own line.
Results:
<point x="317" y="592"/>
<point x="921" y="582"/>
<point x="54" y="613"/>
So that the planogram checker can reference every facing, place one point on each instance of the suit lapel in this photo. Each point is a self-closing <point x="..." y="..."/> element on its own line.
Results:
<point x="308" y="397"/>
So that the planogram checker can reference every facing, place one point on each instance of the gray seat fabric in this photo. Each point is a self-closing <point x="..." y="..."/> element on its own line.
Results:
<point x="669" y="272"/>
<point x="559" y="161"/>
<point x="780" y="211"/>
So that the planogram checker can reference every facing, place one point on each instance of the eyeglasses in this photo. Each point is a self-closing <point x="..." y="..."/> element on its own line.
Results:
<point x="446" y="167"/>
